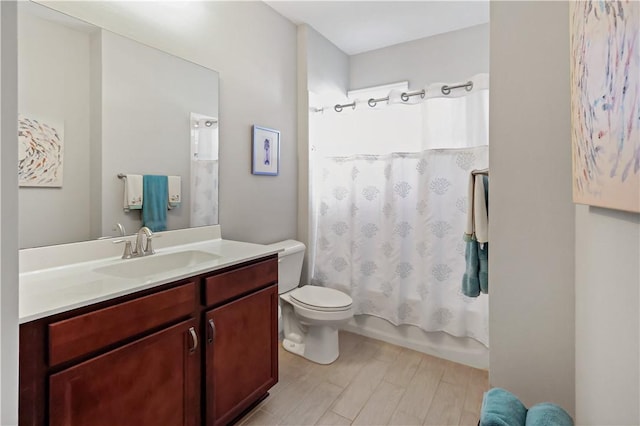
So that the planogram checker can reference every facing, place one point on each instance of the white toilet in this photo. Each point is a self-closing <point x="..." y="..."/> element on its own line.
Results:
<point x="311" y="314"/>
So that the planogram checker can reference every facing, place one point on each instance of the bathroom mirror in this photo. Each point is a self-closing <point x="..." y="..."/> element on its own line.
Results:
<point x="108" y="106"/>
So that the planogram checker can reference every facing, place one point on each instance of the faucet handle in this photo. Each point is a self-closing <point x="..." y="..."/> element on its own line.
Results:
<point x="148" y="248"/>
<point x="128" y="251"/>
<point x="120" y="228"/>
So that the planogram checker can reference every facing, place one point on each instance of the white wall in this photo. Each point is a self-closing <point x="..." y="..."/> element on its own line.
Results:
<point x="328" y="66"/>
<point x="146" y="100"/>
<point x="53" y="86"/>
<point x="607" y="320"/>
<point x="8" y="215"/>
<point x="254" y="50"/>
<point x="323" y="74"/>
<point x="531" y="261"/>
<point x="450" y="57"/>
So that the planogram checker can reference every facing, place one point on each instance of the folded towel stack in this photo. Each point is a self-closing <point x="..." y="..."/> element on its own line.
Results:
<point x="546" y="413"/>
<point x="502" y="408"/>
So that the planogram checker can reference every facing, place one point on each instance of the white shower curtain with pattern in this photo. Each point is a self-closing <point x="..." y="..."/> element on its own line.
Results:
<point x="389" y="226"/>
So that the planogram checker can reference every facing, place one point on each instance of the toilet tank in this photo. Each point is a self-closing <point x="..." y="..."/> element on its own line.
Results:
<point x="290" y="261"/>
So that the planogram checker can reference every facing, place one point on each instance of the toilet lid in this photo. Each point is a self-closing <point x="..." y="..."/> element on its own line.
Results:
<point x="321" y="298"/>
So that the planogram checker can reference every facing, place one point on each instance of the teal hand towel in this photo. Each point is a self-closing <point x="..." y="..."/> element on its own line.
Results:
<point x="483" y="273"/>
<point x="470" y="279"/>
<point x="155" y="193"/>
<point x="548" y="414"/>
<point x="502" y="408"/>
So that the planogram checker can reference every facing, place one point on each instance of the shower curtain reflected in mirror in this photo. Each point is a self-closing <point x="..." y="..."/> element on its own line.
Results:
<point x="204" y="170"/>
<point x="389" y="206"/>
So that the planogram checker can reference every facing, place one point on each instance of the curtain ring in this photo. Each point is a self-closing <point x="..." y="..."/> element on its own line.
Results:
<point x="372" y="102"/>
<point x="423" y="93"/>
<point x="469" y="86"/>
<point x="338" y="108"/>
<point x="445" y="90"/>
<point x="404" y="97"/>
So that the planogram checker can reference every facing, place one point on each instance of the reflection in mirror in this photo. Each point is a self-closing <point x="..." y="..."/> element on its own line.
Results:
<point x="204" y="170"/>
<point x="121" y="108"/>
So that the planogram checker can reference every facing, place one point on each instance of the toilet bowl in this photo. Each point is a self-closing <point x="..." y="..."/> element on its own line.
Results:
<point x="311" y="315"/>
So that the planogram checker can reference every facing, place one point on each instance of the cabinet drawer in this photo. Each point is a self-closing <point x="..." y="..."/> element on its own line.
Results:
<point x="226" y="286"/>
<point x="86" y="333"/>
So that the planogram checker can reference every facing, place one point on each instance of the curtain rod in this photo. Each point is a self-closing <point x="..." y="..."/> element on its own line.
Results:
<point x="404" y="96"/>
<point x="446" y="89"/>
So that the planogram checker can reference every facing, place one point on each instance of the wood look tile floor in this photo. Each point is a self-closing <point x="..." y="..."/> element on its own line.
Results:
<point x="372" y="383"/>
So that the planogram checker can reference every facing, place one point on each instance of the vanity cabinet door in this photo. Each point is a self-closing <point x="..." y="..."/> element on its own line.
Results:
<point x="241" y="351"/>
<point x="151" y="381"/>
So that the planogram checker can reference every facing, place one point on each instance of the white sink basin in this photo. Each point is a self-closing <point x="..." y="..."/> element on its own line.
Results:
<point x="156" y="264"/>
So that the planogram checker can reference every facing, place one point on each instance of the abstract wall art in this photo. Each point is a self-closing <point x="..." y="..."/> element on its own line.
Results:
<point x="41" y="149"/>
<point x="605" y="103"/>
<point x="265" y="158"/>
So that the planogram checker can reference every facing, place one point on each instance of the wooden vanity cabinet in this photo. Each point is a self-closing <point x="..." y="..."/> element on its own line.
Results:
<point x="153" y="380"/>
<point x="241" y="348"/>
<point x="198" y="351"/>
<point x="241" y="354"/>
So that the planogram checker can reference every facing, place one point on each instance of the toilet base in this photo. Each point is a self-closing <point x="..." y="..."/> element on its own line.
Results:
<point x="320" y="344"/>
<point x="293" y="347"/>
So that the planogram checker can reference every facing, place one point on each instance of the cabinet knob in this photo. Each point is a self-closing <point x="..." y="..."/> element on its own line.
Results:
<point x="194" y="340"/>
<point x="212" y="332"/>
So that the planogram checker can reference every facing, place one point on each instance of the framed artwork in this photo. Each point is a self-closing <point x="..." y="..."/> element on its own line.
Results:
<point x="265" y="159"/>
<point x="605" y="103"/>
<point x="41" y="151"/>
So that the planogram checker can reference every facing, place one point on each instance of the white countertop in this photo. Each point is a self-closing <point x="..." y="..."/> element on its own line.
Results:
<point x="50" y="291"/>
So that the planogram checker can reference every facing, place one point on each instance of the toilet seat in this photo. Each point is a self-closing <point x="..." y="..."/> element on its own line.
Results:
<point x="321" y="299"/>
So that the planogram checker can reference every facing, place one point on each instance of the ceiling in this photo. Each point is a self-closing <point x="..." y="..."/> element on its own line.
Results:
<point x="359" y="26"/>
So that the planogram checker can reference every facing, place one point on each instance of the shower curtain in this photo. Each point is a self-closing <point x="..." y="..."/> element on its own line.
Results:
<point x="389" y="225"/>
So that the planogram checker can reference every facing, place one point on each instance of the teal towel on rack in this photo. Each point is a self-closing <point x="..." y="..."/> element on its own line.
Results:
<point x="483" y="272"/>
<point x="155" y="193"/>
<point x="483" y="249"/>
<point x="470" y="280"/>
<point x="476" y="277"/>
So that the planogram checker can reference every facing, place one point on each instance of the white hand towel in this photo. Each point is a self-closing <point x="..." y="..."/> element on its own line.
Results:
<point x="175" y="195"/>
<point x="468" y="232"/>
<point x="132" y="192"/>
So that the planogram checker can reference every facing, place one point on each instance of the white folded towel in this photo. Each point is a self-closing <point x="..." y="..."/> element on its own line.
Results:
<point x="477" y="215"/>
<point x="468" y="232"/>
<point x="132" y="192"/>
<point x="175" y="195"/>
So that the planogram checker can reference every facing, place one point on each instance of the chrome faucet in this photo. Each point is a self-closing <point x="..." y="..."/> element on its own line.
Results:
<point x="120" y="228"/>
<point x="138" y="250"/>
<point x="148" y="249"/>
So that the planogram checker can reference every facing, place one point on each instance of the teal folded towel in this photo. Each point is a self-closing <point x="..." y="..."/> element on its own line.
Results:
<point x="548" y="414"/>
<point x="155" y="193"/>
<point x="483" y="273"/>
<point x="502" y="408"/>
<point x="470" y="279"/>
